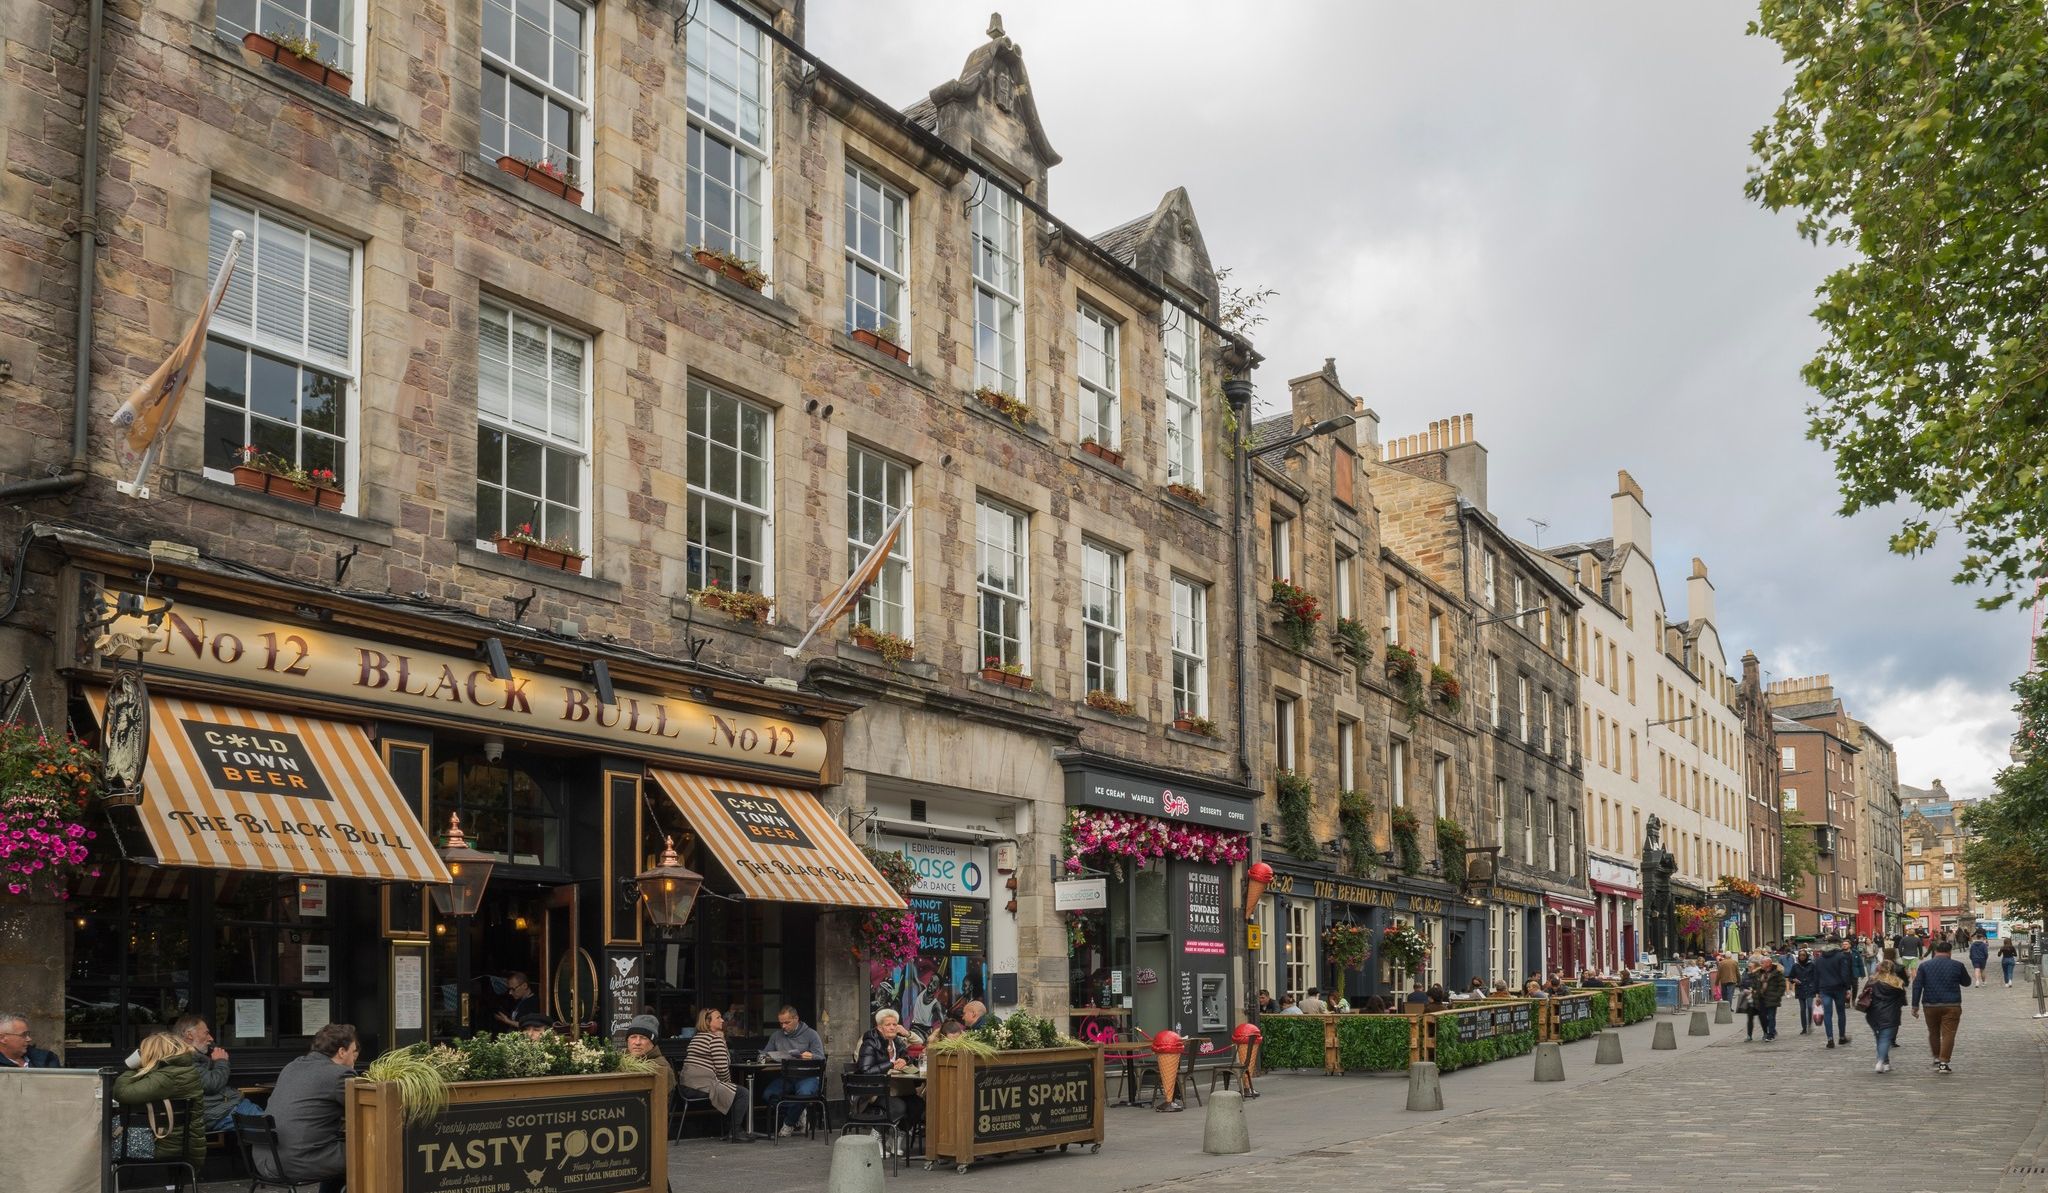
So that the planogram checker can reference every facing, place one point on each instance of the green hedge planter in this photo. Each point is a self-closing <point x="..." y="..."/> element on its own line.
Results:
<point x="1375" y="1043"/>
<point x="1638" y="1003"/>
<point x="1292" y="1042"/>
<point x="1452" y="1055"/>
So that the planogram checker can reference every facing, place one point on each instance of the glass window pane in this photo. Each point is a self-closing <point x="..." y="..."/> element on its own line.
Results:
<point x="274" y="388"/>
<point x="522" y="464"/>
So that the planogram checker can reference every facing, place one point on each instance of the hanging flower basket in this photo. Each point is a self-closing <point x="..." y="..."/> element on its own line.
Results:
<point x="1123" y="836"/>
<point x="1300" y="613"/>
<point x="1404" y="947"/>
<point x="45" y="781"/>
<point x="1345" y="945"/>
<point x="888" y="936"/>
<point x="300" y="55"/>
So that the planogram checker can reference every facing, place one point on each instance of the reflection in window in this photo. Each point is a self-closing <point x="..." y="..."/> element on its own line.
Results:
<point x="510" y="808"/>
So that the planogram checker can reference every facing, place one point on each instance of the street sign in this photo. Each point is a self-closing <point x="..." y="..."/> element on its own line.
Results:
<point x="1080" y="894"/>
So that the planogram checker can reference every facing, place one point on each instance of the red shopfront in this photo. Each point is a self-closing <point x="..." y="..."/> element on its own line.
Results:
<point x="1567" y="925"/>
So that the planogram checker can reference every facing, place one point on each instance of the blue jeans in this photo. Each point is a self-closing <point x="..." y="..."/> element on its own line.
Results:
<point x="1834" y="1007"/>
<point x="1885" y="1036"/>
<point x="227" y="1121"/>
<point x="1805" y="1013"/>
<point x="2006" y="963"/>
<point x="1769" y="1017"/>
<point x="802" y="1087"/>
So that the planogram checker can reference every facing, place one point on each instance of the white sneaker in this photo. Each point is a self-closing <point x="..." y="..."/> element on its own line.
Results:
<point x="787" y="1130"/>
<point x="1878" y="1067"/>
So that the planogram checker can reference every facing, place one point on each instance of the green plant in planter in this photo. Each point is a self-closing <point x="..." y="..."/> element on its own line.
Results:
<point x="1291" y="1042"/>
<point x="1638" y="1003"/>
<point x="1354" y="639"/>
<point x="1450" y="847"/>
<point x="1408" y="841"/>
<point x="1374" y="1043"/>
<point x="1405" y="670"/>
<point x="1295" y="794"/>
<point x="1354" y="818"/>
<point x="1300" y="613"/>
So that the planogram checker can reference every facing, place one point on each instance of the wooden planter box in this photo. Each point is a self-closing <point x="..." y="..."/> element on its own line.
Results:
<point x="862" y="335"/>
<point x="605" y="1133"/>
<point x="1034" y="1100"/>
<point x="997" y="675"/>
<point x="717" y="264"/>
<point x="1108" y="454"/>
<point x="546" y="557"/>
<point x="561" y="188"/>
<point x="311" y="68"/>
<point x="324" y="497"/>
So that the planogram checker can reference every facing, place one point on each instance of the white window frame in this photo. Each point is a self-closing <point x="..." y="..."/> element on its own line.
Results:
<point x="279" y="15"/>
<point x="762" y="53"/>
<point x="578" y="102"/>
<point x="1522" y="705"/>
<point x="1342" y="576"/>
<point x="699" y="493"/>
<point x="1440" y="784"/>
<point x="899" y="570"/>
<point x="1528" y="826"/>
<point x="1282" y="542"/>
<point x="997" y="206"/>
<point x="549" y="439"/>
<point x="247" y="334"/>
<point x="1546" y="721"/>
<point x="860" y="182"/>
<point x="988" y="513"/>
<point x="1490" y="565"/>
<point x="1393" y="615"/>
<point x="1347" y="754"/>
<point x="1500" y="811"/>
<point x="1550" y="834"/>
<point x="1102" y="619"/>
<point x="1301" y="949"/>
<point x="1520" y="591"/>
<point x="1181" y="342"/>
<point x="1191" y="645"/>
<point x="1493" y="690"/>
<point x="1436" y="636"/>
<point x="1285" y="726"/>
<point x="1100" y="395"/>
<point x="1397" y="771"/>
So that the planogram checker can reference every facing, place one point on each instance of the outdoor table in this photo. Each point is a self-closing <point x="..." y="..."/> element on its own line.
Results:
<point x="752" y="1069"/>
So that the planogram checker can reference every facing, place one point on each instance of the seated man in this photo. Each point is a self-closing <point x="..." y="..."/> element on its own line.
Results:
<point x="793" y="1038"/>
<point x="535" y="1026"/>
<point x="18" y="1045"/>
<point x="308" y="1110"/>
<point x="223" y="1100"/>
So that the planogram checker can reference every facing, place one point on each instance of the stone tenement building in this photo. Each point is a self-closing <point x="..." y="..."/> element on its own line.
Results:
<point x="471" y="286"/>
<point x="1519" y="687"/>
<point x="1817" y="764"/>
<point x="1658" y="723"/>
<point x="1880" y="874"/>
<point x="1938" y="895"/>
<point x="1765" y="808"/>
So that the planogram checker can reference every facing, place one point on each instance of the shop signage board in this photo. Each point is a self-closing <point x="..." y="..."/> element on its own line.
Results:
<point x="1202" y="911"/>
<point x="947" y="868"/>
<point x="1080" y="894"/>
<point x="1012" y="1102"/>
<point x="624" y="981"/>
<point x="1025" y="1100"/>
<point x="1088" y="787"/>
<point x="949" y="926"/>
<point x="1574" y="1008"/>
<point x="243" y="649"/>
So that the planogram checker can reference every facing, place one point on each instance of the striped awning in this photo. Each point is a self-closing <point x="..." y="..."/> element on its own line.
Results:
<point x="777" y="842"/>
<point x="237" y="788"/>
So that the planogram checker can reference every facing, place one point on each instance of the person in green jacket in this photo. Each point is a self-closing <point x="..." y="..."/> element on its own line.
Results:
<point x="167" y="1074"/>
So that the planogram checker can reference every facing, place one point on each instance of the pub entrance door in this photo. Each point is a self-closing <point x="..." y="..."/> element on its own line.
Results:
<point x="519" y="955"/>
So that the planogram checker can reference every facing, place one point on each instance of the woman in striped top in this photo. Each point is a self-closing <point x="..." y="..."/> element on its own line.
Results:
<point x="707" y="1070"/>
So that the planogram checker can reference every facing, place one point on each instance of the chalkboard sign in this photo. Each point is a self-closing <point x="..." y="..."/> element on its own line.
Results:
<point x="1571" y="1010"/>
<point x="594" y="1143"/>
<point x="1022" y="1101"/>
<point x="1202" y="911"/>
<point x="1519" y="1017"/>
<point x="623" y="981"/>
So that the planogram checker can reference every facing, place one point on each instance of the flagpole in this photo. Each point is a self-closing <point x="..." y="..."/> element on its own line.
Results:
<point x="137" y="488"/>
<point x="832" y="607"/>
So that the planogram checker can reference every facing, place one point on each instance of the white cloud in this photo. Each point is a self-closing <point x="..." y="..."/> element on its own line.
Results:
<point x="1953" y="732"/>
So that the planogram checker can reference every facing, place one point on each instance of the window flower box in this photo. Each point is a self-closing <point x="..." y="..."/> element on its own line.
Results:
<point x="1189" y="494"/>
<point x="739" y="605"/>
<point x="269" y="474"/>
<point x="734" y="268"/>
<point x="555" y="553"/>
<point x="544" y="174"/>
<point x="1188" y="722"/>
<point x="1103" y="452"/>
<point x="300" y="55"/>
<point x="1004" y="404"/>
<point x="1012" y="675"/>
<point x="884" y="341"/>
<point x="1110" y="702"/>
<point x="894" y="648"/>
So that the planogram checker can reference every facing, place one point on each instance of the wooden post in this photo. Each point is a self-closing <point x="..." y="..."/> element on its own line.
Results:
<point x="1333" y="1062"/>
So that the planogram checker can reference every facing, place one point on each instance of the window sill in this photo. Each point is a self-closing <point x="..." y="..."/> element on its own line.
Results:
<point x="883" y="361"/>
<point x="200" y="488"/>
<point x="860" y="654"/>
<point x="682" y="608"/>
<point x="1032" y="431"/>
<point x="1115" y="472"/>
<point x="1105" y="717"/>
<point x="1286" y="650"/>
<point x="382" y="124"/>
<point x="686" y="265"/>
<point x="1030" y="696"/>
<point x="488" y="173"/>
<point x="1203" y="512"/>
<point x="519" y="569"/>
<point x="1196" y="739"/>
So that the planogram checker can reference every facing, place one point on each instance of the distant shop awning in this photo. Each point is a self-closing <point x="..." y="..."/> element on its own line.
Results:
<point x="778" y="843"/>
<point x="237" y="788"/>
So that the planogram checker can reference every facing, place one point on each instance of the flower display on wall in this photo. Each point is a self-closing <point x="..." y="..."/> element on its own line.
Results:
<point x="44" y="784"/>
<point x="1120" y="835"/>
<point x="888" y="937"/>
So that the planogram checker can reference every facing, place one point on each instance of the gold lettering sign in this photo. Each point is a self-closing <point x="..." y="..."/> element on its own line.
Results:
<point x="1345" y="892"/>
<point x="1427" y="906"/>
<point x="235" y="646"/>
<point x="1282" y="884"/>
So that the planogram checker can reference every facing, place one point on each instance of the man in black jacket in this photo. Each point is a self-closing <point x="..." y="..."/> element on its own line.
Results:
<point x="308" y="1109"/>
<point x="17" y="1045"/>
<point x="1805" y="984"/>
<point x="1835" y="973"/>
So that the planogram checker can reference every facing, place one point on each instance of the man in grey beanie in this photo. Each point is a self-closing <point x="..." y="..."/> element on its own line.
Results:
<point x="641" y="1034"/>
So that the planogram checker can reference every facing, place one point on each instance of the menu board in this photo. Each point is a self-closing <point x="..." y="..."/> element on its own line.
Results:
<point x="949" y="926"/>
<point x="589" y="1143"/>
<point x="1575" y="1008"/>
<point x="1202" y="911"/>
<point x="1020" y="1101"/>
<point x="1484" y="1023"/>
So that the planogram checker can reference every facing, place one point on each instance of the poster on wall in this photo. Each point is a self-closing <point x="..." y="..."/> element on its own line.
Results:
<point x="951" y="967"/>
<point x="623" y="982"/>
<point x="1201" y="890"/>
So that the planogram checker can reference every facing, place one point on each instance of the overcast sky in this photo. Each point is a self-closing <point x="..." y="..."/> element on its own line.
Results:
<point x="1532" y="213"/>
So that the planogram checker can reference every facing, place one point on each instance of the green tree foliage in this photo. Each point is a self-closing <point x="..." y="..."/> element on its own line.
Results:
<point x="2006" y="856"/>
<point x="1797" y="858"/>
<point x="1914" y="133"/>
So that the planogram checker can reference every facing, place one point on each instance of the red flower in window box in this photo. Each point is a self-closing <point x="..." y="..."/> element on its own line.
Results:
<point x="300" y="55"/>
<point x="557" y="553"/>
<point x="546" y="174"/>
<point x="272" y="474"/>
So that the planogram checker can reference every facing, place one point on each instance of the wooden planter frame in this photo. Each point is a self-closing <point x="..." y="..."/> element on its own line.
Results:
<point x="546" y="557"/>
<point x="950" y="1113"/>
<point x="311" y="69"/>
<point x="325" y="497"/>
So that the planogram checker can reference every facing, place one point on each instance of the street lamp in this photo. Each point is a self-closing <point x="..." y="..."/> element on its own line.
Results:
<point x="468" y="870"/>
<point x="669" y="889"/>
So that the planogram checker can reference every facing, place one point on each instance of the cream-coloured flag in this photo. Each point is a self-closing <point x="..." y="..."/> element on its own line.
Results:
<point x="154" y="403"/>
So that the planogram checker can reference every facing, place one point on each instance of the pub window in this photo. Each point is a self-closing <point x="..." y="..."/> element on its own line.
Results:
<point x="510" y="806"/>
<point x="1301" y="961"/>
<point x="272" y="963"/>
<point x="129" y="974"/>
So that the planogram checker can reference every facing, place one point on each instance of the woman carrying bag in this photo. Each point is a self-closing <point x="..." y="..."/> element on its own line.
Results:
<point x="1881" y="1002"/>
<point x="167" y="1081"/>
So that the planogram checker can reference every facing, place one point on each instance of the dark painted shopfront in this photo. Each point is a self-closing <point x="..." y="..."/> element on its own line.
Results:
<point x="1303" y="904"/>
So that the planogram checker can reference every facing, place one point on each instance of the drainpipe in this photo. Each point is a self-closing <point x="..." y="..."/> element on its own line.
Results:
<point x="75" y="473"/>
<point x="1238" y="392"/>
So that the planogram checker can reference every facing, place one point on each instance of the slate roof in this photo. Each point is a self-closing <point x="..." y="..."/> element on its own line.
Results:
<point x="1271" y="430"/>
<point x="1122" y="241"/>
<point x="1796" y="712"/>
<point x="925" y="112"/>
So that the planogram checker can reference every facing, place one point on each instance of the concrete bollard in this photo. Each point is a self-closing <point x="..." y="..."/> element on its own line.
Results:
<point x="856" y="1165"/>
<point x="2040" y="994"/>
<point x="1224" y="1131"/>
<point x="1723" y="1013"/>
<point x="1610" y="1048"/>
<point x="1666" y="1039"/>
<point x="1550" y="1061"/>
<point x="1699" y="1025"/>
<point x="1425" y="1086"/>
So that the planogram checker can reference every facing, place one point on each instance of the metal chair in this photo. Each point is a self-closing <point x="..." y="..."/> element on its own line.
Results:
<point x="794" y="1071"/>
<point x="180" y="1174"/>
<point x="867" y="1109"/>
<point x="256" y="1135"/>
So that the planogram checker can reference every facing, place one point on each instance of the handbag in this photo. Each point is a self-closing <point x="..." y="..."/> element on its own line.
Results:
<point x="1742" y="1001"/>
<point x="1867" y="997"/>
<point x="1816" y="1012"/>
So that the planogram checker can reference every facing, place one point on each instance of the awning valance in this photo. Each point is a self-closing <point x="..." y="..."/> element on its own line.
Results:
<point x="238" y="788"/>
<point x="778" y="843"/>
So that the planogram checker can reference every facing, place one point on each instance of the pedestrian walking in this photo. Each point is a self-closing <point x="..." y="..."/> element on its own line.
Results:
<point x="1980" y="955"/>
<point x="2008" y="956"/>
<point x="1834" y="977"/>
<point x="1938" y="983"/>
<point x="1884" y="1003"/>
<point x="1744" y="997"/>
<point x="1727" y="975"/>
<point x="1805" y="982"/>
<point x="1767" y="989"/>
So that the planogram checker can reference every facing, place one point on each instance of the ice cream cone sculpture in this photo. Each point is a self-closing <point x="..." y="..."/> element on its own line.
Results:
<point x="1257" y="879"/>
<point x="1167" y="1047"/>
<point x="1248" y="1037"/>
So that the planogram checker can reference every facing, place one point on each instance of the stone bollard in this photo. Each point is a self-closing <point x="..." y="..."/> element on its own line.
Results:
<point x="2040" y="994"/>
<point x="1699" y="1025"/>
<point x="1224" y="1131"/>
<point x="1610" y="1048"/>
<point x="1723" y="1013"/>
<point x="1666" y="1039"/>
<point x="1549" y="1061"/>
<point x="856" y="1165"/>
<point x="1425" y="1086"/>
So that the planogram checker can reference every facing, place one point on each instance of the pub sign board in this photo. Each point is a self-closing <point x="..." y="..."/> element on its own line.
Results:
<point x="587" y="1143"/>
<point x="1026" y="1101"/>
<point x="1573" y="1009"/>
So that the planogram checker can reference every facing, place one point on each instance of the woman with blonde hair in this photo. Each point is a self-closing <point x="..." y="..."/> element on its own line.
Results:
<point x="166" y="1080"/>
<point x="707" y="1071"/>
<point x="1883" y="999"/>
